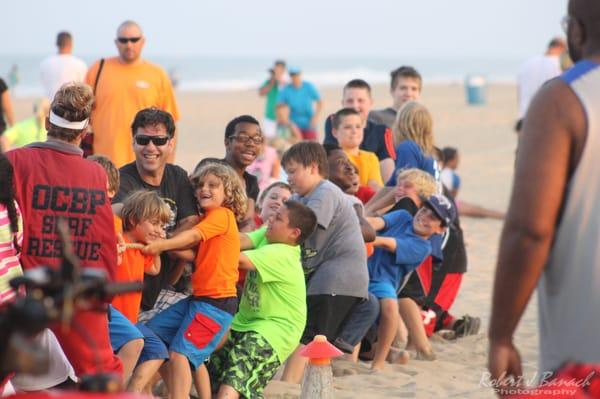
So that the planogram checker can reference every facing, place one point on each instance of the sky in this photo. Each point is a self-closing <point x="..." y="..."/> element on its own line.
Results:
<point x="373" y="28"/>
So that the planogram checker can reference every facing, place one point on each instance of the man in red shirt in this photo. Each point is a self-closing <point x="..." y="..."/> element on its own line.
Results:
<point x="53" y="181"/>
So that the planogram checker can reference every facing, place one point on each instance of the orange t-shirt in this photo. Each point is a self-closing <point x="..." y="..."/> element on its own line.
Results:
<point x="118" y="224"/>
<point x="218" y="257"/>
<point x="367" y="164"/>
<point x="122" y="91"/>
<point x="132" y="268"/>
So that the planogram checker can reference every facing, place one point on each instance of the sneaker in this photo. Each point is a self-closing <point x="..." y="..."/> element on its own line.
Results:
<point x="467" y="325"/>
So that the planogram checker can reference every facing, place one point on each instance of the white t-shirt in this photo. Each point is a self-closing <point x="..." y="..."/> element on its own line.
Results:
<point x="59" y="367"/>
<point x="59" y="69"/>
<point x="532" y="75"/>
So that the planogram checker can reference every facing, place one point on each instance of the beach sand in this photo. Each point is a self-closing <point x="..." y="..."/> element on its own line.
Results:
<point x="487" y="144"/>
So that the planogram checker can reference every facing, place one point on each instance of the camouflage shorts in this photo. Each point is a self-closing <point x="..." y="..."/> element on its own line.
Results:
<point x="246" y="363"/>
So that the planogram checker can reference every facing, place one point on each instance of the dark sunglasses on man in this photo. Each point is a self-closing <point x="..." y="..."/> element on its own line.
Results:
<point x="142" y="139"/>
<point x="124" y="40"/>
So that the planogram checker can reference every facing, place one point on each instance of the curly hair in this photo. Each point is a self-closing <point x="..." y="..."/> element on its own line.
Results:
<point x="73" y="102"/>
<point x="424" y="183"/>
<point x="7" y="197"/>
<point x="414" y="122"/>
<point x="235" y="195"/>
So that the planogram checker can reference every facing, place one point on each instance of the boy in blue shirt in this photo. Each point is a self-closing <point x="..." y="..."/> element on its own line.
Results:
<point x="401" y="246"/>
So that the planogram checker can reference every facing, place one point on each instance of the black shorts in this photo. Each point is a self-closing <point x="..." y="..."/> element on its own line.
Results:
<point x="326" y="315"/>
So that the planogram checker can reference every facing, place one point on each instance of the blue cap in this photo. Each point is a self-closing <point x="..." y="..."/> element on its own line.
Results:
<point x="443" y="208"/>
<point x="294" y="70"/>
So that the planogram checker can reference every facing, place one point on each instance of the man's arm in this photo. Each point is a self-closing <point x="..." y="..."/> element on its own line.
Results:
<point x="549" y="150"/>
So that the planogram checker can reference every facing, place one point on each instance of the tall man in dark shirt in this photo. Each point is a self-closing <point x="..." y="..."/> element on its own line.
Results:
<point x="153" y="131"/>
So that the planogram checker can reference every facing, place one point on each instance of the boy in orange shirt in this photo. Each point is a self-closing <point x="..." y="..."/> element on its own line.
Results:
<point x="140" y="350"/>
<point x="144" y="214"/>
<point x="195" y="326"/>
<point x="348" y="130"/>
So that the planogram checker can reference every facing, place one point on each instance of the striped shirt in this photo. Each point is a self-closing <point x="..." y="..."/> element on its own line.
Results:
<point x="9" y="258"/>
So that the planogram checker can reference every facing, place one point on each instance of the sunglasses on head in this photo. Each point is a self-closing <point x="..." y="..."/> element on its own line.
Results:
<point x="141" y="139"/>
<point x="124" y="40"/>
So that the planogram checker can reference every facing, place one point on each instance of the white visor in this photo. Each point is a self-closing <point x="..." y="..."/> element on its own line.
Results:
<point x="61" y="122"/>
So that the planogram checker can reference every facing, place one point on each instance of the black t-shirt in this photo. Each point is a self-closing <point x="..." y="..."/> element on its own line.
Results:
<point x="252" y="188"/>
<point x="377" y="139"/>
<point x="176" y="190"/>
<point x="3" y="88"/>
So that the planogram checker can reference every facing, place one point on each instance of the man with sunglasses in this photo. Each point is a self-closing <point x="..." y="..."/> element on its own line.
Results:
<point x="153" y="132"/>
<point x="550" y="237"/>
<point x="124" y="85"/>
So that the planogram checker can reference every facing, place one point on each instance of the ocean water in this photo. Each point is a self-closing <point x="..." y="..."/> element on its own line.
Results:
<point x="204" y="73"/>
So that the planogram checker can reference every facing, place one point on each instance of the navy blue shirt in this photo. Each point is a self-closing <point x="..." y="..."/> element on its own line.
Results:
<point x="377" y="139"/>
<point x="411" y="250"/>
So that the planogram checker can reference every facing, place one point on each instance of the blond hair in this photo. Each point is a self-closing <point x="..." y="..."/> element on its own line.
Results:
<point x="414" y="122"/>
<point x="73" y="102"/>
<point x="424" y="183"/>
<point x="144" y="205"/>
<point x="235" y="196"/>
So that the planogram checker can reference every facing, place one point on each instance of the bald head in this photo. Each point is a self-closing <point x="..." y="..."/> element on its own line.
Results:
<point x="129" y="42"/>
<point x="583" y="31"/>
<point x="129" y="24"/>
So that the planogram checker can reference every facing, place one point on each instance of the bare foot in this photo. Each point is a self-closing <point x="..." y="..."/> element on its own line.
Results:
<point x="426" y="355"/>
<point x="398" y="357"/>
<point x="377" y="366"/>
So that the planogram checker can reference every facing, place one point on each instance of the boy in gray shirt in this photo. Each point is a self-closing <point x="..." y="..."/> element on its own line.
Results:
<point x="333" y="257"/>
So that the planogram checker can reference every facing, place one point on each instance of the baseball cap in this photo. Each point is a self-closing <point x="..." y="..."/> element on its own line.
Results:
<point x="443" y="209"/>
<point x="294" y="70"/>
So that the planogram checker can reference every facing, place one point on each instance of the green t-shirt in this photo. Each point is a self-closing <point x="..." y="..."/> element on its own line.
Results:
<point x="25" y="132"/>
<point x="274" y="299"/>
<point x="272" y="97"/>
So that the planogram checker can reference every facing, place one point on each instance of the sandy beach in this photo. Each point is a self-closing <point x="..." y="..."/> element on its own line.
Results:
<point x="487" y="144"/>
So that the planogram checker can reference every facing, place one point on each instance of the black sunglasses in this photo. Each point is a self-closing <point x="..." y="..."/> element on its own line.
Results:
<point x="124" y="40"/>
<point x="142" y="139"/>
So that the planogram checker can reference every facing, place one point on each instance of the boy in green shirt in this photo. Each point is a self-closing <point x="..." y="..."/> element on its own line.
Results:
<point x="272" y="312"/>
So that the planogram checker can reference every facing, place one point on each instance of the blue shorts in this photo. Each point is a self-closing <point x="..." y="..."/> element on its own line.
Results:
<point x="121" y="331"/>
<point x="383" y="289"/>
<point x="192" y="328"/>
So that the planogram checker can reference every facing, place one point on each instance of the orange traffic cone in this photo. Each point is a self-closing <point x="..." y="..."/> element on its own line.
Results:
<point x="318" y="377"/>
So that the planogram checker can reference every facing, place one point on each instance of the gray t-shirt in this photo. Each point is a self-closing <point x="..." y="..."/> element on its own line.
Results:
<point x="334" y="254"/>
<point x="385" y="116"/>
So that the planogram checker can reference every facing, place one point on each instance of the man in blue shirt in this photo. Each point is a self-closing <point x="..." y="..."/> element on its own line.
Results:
<point x="305" y="104"/>
<point x="401" y="246"/>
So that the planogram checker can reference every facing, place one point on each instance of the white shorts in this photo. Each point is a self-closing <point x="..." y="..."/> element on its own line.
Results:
<point x="58" y="371"/>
